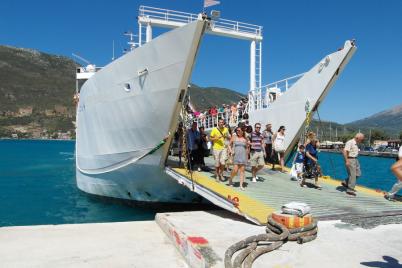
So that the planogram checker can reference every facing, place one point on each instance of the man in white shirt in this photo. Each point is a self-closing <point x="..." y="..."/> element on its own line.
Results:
<point x="397" y="170"/>
<point x="350" y="153"/>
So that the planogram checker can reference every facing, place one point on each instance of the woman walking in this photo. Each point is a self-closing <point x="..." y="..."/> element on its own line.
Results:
<point x="267" y="134"/>
<point x="397" y="170"/>
<point x="279" y="146"/>
<point x="239" y="148"/>
<point x="312" y="167"/>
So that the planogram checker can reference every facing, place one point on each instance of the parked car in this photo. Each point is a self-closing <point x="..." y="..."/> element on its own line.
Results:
<point x="368" y="149"/>
<point x="381" y="148"/>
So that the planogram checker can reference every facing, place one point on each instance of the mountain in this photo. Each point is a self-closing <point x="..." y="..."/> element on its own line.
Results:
<point x="205" y="98"/>
<point x="28" y="76"/>
<point x="36" y="92"/>
<point x="380" y="126"/>
<point x="389" y="121"/>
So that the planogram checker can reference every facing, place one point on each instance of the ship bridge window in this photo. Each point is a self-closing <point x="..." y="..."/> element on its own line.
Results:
<point x="127" y="87"/>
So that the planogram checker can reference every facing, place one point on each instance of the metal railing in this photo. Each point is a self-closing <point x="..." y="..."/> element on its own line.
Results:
<point x="166" y="14"/>
<point x="210" y="121"/>
<point x="261" y="98"/>
<point x="184" y="17"/>
<point x="83" y="69"/>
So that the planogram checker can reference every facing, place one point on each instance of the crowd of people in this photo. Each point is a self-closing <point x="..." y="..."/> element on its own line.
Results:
<point x="233" y="147"/>
<point x="229" y="112"/>
<point x="248" y="144"/>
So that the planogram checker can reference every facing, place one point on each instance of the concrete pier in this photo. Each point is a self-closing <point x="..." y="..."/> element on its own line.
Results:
<point x="338" y="244"/>
<point x="121" y="244"/>
<point x="192" y="239"/>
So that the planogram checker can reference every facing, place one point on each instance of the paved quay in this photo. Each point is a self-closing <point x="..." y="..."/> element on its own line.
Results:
<point x="201" y="238"/>
<point x="121" y="244"/>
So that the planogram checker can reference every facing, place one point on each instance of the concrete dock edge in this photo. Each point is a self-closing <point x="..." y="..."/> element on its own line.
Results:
<point x="195" y="250"/>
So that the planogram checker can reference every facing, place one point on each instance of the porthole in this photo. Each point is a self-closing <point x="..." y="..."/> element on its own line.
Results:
<point x="127" y="87"/>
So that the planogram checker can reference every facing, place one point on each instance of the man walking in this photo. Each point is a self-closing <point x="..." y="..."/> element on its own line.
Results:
<point x="256" y="153"/>
<point x="193" y="141"/>
<point x="218" y="136"/>
<point x="350" y="153"/>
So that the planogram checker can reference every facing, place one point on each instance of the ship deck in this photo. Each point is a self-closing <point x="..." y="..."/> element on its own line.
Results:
<point x="275" y="189"/>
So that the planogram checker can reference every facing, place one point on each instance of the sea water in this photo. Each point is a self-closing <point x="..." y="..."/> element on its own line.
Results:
<point x="376" y="171"/>
<point x="37" y="185"/>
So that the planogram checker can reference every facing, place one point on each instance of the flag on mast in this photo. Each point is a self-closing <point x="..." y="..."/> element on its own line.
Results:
<point x="208" y="3"/>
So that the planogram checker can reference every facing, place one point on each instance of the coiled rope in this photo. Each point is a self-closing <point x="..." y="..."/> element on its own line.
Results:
<point x="276" y="235"/>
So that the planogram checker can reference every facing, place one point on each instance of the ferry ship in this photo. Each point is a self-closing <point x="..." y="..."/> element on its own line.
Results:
<point x="129" y="109"/>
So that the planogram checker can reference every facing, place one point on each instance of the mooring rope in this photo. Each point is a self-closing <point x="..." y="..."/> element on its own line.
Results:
<point x="276" y="235"/>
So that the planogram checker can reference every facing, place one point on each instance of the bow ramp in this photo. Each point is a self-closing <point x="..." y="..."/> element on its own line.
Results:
<point x="274" y="189"/>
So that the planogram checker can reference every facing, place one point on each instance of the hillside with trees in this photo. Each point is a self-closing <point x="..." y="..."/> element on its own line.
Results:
<point x="36" y="101"/>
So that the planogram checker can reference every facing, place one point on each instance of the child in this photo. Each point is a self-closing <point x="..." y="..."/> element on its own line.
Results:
<point x="299" y="162"/>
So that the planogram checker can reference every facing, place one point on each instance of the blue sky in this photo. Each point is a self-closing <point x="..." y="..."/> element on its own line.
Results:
<point x="297" y="34"/>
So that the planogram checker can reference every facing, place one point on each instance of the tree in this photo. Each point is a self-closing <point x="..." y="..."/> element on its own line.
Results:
<point x="377" y="134"/>
<point x="346" y="137"/>
<point x="400" y="135"/>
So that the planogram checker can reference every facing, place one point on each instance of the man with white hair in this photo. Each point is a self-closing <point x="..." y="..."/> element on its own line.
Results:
<point x="350" y="153"/>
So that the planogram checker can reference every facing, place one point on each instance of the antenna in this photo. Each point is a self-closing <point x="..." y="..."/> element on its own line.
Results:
<point x="81" y="58"/>
<point x="131" y="42"/>
<point x="113" y="50"/>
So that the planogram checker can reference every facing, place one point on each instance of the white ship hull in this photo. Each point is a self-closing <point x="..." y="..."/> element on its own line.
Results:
<point x="289" y="109"/>
<point x="128" y="108"/>
<point x="140" y="182"/>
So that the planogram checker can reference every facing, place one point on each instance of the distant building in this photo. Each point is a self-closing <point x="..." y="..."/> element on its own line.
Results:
<point x="9" y="113"/>
<point x="394" y="143"/>
<point x="64" y="136"/>
<point x="60" y="109"/>
<point x="378" y="143"/>
<point x="14" y="136"/>
<point x="36" y="134"/>
<point x="49" y="112"/>
<point x="25" y="111"/>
